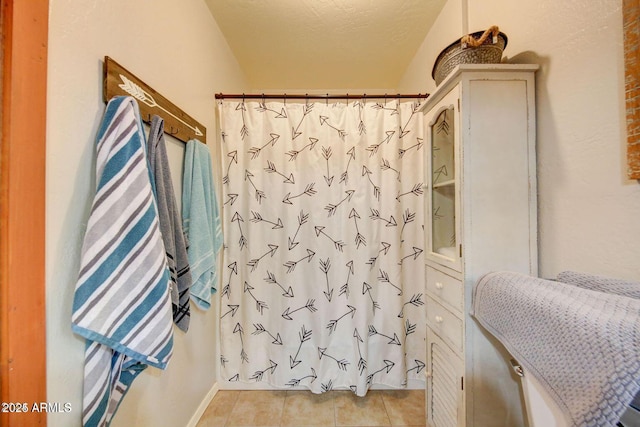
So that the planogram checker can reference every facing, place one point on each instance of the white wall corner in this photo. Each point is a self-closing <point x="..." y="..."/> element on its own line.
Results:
<point x="193" y="422"/>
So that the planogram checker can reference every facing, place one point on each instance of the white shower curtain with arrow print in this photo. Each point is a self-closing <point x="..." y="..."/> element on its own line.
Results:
<point x="323" y="272"/>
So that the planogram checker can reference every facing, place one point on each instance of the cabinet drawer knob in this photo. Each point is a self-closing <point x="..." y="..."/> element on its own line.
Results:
<point x="439" y="285"/>
<point x="439" y="319"/>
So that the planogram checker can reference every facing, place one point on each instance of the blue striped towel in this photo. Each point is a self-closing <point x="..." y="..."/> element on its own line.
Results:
<point x="121" y="305"/>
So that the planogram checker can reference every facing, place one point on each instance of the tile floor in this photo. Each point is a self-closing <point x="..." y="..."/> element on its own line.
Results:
<point x="232" y="408"/>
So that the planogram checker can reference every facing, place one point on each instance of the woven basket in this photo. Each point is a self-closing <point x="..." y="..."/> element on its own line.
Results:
<point x="463" y="51"/>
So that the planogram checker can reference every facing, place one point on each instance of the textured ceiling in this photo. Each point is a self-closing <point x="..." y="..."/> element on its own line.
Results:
<point x="324" y="44"/>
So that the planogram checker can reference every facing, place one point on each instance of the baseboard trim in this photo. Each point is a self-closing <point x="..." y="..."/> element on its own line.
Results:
<point x="193" y="422"/>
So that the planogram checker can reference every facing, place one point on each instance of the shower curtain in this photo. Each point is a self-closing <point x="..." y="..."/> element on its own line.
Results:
<point x="322" y="279"/>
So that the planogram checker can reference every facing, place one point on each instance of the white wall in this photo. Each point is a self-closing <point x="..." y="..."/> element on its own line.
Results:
<point x="588" y="211"/>
<point x="447" y="27"/>
<point x="177" y="49"/>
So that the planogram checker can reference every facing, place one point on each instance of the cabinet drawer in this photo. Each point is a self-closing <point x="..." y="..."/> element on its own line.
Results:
<point x="445" y="324"/>
<point x="445" y="289"/>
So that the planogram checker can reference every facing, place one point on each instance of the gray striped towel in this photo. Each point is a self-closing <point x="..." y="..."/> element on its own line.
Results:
<point x="175" y="242"/>
<point x="121" y="303"/>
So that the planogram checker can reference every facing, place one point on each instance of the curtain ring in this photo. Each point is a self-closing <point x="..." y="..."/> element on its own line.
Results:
<point x="285" y="99"/>
<point x="263" y="97"/>
<point x="385" y="99"/>
<point x="327" y="100"/>
<point x="347" y="99"/>
<point x="243" y="97"/>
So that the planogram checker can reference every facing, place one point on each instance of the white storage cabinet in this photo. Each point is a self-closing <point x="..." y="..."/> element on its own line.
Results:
<point x="481" y="216"/>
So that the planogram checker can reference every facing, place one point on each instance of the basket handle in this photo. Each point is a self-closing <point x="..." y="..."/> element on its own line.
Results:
<point x="469" y="40"/>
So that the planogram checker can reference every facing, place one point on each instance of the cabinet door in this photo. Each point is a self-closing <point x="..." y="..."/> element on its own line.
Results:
<point x="445" y="398"/>
<point x="442" y="135"/>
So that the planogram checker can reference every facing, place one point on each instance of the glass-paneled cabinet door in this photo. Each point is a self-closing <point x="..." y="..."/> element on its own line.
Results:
<point x="442" y="193"/>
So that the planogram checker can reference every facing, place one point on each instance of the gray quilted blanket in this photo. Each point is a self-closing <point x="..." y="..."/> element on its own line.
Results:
<point x="601" y="283"/>
<point x="582" y="345"/>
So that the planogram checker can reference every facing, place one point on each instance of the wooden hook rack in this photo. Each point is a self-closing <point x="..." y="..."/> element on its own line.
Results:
<point x="119" y="81"/>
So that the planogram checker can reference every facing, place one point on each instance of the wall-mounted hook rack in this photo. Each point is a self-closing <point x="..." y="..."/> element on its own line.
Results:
<point x="119" y="81"/>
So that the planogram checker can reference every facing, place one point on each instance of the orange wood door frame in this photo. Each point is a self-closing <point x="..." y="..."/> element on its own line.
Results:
<point x="22" y="210"/>
<point x="631" y="28"/>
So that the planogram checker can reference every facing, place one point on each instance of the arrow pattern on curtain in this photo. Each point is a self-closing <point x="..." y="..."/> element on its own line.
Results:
<point x="323" y="225"/>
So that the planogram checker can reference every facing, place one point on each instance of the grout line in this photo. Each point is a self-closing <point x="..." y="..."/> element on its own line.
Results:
<point x="284" y="403"/>
<point x="384" y="403"/>
<point x="231" y="407"/>
<point x="335" y="410"/>
<point x="335" y="416"/>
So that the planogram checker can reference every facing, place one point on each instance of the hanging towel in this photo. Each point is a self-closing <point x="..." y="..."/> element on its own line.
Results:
<point x="201" y="221"/>
<point x="170" y="225"/>
<point x="121" y="303"/>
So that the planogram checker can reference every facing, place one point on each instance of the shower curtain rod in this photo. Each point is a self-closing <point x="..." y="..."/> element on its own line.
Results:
<point x="315" y="96"/>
